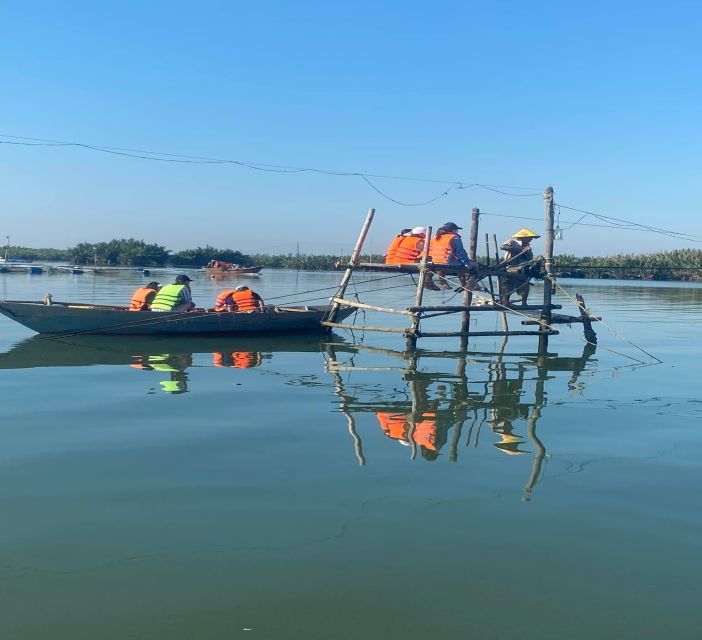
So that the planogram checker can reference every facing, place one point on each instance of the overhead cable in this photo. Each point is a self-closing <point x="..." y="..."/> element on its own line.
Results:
<point x="159" y="156"/>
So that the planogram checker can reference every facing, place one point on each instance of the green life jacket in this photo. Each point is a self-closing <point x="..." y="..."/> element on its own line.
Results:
<point x="167" y="297"/>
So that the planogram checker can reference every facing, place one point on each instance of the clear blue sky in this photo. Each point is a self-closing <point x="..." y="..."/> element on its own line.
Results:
<point x="599" y="99"/>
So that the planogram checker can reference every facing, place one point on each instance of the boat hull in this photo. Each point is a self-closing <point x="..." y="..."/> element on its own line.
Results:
<point x="231" y="272"/>
<point x="75" y="319"/>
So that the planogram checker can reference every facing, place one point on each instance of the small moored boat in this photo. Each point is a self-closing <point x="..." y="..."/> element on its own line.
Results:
<point x="70" y="319"/>
<point x="221" y="268"/>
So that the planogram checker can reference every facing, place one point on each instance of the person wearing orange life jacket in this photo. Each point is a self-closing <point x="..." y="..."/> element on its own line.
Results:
<point x="409" y="249"/>
<point x="390" y="256"/>
<point x="241" y="299"/>
<point x="143" y="297"/>
<point x="447" y="248"/>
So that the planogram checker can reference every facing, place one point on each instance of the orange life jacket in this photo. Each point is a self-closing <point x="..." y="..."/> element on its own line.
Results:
<point x="246" y="359"/>
<point x="245" y="300"/>
<point x="408" y="249"/>
<point x="440" y="248"/>
<point x="222" y="299"/>
<point x="142" y="299"/>
<point x="237" y="359"/>
<point x="391" y="257"/>
<point x="425" y="431"/>
<point x="394" y="425"/>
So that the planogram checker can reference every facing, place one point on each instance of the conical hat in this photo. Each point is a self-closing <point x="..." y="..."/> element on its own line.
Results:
<point x="526" y="233"/>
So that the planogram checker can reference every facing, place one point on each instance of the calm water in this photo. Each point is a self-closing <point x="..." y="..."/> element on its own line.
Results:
<point x="223" y="488"/>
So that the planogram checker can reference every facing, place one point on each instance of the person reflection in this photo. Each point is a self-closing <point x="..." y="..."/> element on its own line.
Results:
<point x="174" y="364"/>
<point x="507" y="407"/>
<point x="420" y="426"/>
<point x="237" y="359"/>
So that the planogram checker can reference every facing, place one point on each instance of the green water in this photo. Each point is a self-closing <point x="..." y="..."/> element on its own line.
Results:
<point x="147" y="491"/>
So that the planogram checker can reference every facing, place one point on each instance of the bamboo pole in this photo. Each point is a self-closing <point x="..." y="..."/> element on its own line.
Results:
<point x="456" y="334"/>
<point x="411" y="339"/>
<point x="487" y="264"/>
<point x="361" y="327"/>
<point x="467" y="294"/>
<point x="369" y="307"/>
<point x="352" y="263"/>
<point x="586" y="319"/>
<point x="487" y="307"/>
<point x="505" y="323"/>
<point x="548" y="280"/>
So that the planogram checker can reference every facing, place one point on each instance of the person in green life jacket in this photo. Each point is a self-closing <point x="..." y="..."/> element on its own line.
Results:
<point x="174" y="297"/>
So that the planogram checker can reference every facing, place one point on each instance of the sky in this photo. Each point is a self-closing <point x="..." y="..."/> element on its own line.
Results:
<point x="601" y="100"/>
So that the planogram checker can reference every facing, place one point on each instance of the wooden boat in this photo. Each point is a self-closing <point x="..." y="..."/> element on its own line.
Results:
<point x="220" y="268"/>
<point x="72" y="319"/>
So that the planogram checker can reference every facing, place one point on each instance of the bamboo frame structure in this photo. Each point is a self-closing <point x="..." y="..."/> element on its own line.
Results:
<point x="545" y="320"/>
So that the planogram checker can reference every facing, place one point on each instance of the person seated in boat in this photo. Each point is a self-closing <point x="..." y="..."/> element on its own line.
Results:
<point x="242" y="299"/>
<point x="143" y="297"/>
<point x="519" y="257"/>
<point x="447" y="248"/>
<point x="174" y="297"/>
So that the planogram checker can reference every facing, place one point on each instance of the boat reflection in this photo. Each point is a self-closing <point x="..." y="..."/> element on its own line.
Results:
<point x="452" y="394"/>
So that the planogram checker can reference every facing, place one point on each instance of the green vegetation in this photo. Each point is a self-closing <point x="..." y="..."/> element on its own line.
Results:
<point x="25" y="253"/>
<point x="119" y="252"/>
<point x="202" y="255"/>
<point x="681" y="264"/>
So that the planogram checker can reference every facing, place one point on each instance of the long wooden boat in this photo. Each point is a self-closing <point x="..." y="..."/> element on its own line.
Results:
<point x="72" y="319"/>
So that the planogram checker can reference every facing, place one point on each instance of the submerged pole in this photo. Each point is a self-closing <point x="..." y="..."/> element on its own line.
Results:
<point x="352" y="263"/>
<point x="548" y="279"/>
<point x="467" y="294"/>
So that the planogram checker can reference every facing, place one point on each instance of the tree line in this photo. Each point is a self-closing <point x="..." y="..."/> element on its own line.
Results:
<point x="680" y="264"/>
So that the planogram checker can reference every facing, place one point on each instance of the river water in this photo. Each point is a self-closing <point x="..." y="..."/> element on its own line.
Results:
<point x="334" y="487"/>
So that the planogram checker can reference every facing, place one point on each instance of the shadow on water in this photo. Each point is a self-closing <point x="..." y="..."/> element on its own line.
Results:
<point x="428" y="401"/>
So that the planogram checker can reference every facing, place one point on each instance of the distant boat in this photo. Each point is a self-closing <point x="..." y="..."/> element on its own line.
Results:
<point x="69" y="319"/>
<point x="220" y="268"/>
<point x="13" y="261"/>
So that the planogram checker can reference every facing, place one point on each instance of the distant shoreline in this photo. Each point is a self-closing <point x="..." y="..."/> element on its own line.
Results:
<point x="680" y="265"/>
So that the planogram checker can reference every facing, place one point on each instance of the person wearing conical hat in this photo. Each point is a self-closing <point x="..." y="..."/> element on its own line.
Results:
<point x="520" y="261"/>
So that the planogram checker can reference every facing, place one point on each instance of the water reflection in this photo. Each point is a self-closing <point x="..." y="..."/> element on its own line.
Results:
<point x="429" y="404"/>
<point x="174" y="364"/>
<point x="434" y="406"/>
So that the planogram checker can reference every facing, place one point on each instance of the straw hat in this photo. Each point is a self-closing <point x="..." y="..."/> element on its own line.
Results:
<point x="526" y="233"/>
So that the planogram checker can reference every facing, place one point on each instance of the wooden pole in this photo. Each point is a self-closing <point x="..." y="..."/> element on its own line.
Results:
<point x="411" y="339"/>
<point x="352" y="263"/>
<point x="548" y="279"/>
<point x="487" y="264"/>
<point x="589" y="332"/>
<point x="505" y="324"/>
<point x="467" y="294"/>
